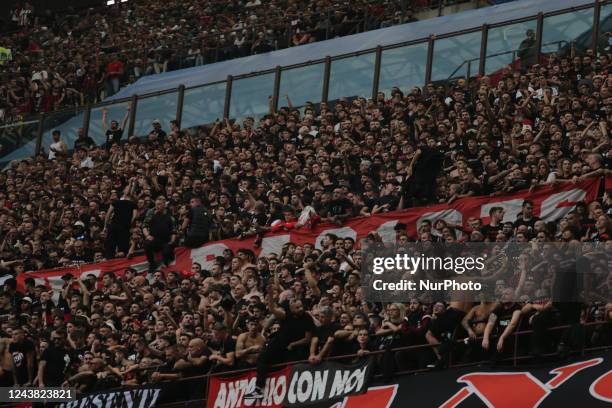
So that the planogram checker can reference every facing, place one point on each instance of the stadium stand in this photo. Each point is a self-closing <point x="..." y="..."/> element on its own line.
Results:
<point x="507" y="118"/>
<point x="56" y="60"/>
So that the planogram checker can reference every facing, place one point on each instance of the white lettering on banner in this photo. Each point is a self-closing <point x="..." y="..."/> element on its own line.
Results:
<point x="205" y="255"/>
<point x="344" y="232"/>
<point x="275" y="390"/>
<point x="449" y="215"/>
<point x="304" y="387"/>
<point x="231" y="393"/>
<point x="280" y="389"/>
<point x="512" y="208"/>
<point x="346" y="382"/>
<point x="274" y="244"/>
<point x="387" y="231"/>
<point x="137" y="398"/>
<point x="319" y="385"/>
<point x="558" y="205"/>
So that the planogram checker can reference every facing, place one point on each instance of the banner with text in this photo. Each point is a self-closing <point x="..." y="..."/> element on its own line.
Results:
<point x="293" y="386"/>
<point x="550" y="204"/>
<point x="128" y="398"/>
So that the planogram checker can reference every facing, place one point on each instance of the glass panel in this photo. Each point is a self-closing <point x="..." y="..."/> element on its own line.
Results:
<point x="403" y="67"/>
<point x="604" y="42"/>
<point x="453" y="57"/>
<point x="67" y="122"/>
<point x="116" y="112"/>
<point x="509" y="43"/>
<point x="301" y="84"/>
<point x="560" y="31"/>
<point x="250" y="97"/>
<point x="352" y="77"/>
<point x="17" y="141"/>
<point x="159" y="107"/>
<point x="203" y="105"/>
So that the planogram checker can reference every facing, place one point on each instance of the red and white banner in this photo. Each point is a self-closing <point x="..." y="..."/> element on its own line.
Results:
<point x="550" y="203"/>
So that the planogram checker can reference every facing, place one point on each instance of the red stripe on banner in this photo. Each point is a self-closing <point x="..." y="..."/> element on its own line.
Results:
<point x="456" y="399"/>
<point x="602" y="387"/>
<point x="562" y="374"/>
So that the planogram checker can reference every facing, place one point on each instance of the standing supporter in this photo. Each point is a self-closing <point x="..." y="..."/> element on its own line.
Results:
<point x="197" y="224"/>
<point x="121" y="213"/>
<point x="291" y="342"/>
<point x="159" y="231"/>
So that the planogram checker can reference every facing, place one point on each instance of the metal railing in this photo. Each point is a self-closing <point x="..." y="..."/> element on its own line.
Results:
<point x="328" y="61"/>
<point x="514" y="53"/>
<point x="514" y="358"/>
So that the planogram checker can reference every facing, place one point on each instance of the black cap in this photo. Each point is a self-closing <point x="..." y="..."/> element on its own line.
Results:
<point x="68" y="277"/>
<point x="400" y="226"/>
<point x="11" y="283"/>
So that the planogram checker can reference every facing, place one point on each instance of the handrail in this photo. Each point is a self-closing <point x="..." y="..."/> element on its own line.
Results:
<point x="451" y="76"/>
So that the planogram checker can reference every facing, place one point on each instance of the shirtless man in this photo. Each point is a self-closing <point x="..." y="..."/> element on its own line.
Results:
<point x="474" y="324"/>
<point x="249" y="344"/>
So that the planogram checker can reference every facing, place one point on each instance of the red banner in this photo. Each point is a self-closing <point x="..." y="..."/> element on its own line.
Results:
<point x="550" y="203"/>
<point x="229" y="392"/>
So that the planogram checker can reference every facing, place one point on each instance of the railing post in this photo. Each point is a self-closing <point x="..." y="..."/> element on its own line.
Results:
<point x="39" y="133"/>
<point x="326" y="75"/>
<point x="483" y="49"/>
<point x="430" y="50"/>
<point x="179" y="105"/>
<point x="469" y="70"/>
<point x="86" y="119"/>
<point x="132" y="123"/>
<point x="539" y="29"/>
<point x="275" y="94"/>
<point x="596" y="18"/>
<point x="376" y="80"/>
<point x="515" y="352"/>
<point x="289" y="36"/>
<point x="228" y="96"/>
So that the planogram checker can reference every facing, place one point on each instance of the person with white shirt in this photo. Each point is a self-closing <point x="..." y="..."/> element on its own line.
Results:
<point x="58" y="147"/>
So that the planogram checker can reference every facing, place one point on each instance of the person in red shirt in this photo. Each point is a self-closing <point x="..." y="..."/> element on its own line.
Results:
<point x="114" y="72"/>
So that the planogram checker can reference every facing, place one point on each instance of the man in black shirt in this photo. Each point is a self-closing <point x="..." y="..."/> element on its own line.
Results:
<point x="444" y="321"/>
<point x="123" y="212"/>
<point x="323" y="338"/>
<point x="83" y="141"/>
<point x="339" y="208"/>
<point x="526" y="216"/>
<point x="290" y="342"/>
<point x="420" y="182"/>
<point x="223" y="348"/>
<point x="496" y="217"/>
<point x="502" y="322"/>
<point x="160" y="234"/>
<point x="53" y="361"/>
<point x="197" y="224"/>
<point x="158" y="131"/>
<point x="114" y="134"/>
<point x="22" y="351"/>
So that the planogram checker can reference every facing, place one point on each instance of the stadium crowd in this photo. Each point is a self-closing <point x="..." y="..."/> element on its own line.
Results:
<point x="293" y="168"/>
<point x="66" y="59"/>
